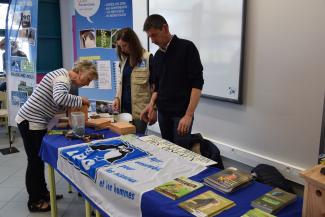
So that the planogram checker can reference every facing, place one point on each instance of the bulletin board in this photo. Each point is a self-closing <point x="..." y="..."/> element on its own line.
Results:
<point x="96" y="25"/>
<point x="21" y="53"/>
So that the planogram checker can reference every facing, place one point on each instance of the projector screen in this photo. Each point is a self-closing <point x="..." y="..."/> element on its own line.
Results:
<point x="216" y="27"/>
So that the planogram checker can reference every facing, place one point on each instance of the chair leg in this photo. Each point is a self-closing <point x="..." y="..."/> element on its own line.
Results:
<point x="7" y="125"/>
<point x="10" y="139"/>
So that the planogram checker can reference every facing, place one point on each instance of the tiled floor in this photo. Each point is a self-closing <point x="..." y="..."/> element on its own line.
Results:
<point x="13" y="195"/>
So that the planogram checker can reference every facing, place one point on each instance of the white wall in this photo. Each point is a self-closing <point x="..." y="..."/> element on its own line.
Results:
<point x="139" y="15"/>
<point x="284" y="86"/>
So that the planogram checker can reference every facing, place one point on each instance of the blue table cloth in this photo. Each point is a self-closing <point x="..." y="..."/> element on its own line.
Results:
<point x="161" y="206"/>
<point x="156" y="205"/>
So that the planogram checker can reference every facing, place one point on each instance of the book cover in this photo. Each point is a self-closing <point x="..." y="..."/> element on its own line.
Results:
<point x="206" y="204"/>
<point x="178" y="187"/>
<point x="274" y="200"/>
<point x="257" y="213"/>
<point x="228" y="179"/>
<point x="57" y="132"/>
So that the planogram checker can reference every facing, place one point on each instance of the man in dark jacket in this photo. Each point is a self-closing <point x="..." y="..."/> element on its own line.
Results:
<point x="178" y="80"/>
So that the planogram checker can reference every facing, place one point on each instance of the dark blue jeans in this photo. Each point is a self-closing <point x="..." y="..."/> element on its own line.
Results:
<point x="168" y="128"/>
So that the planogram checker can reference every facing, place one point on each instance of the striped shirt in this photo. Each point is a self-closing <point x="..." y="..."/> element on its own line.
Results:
<point x="50" y="97"/>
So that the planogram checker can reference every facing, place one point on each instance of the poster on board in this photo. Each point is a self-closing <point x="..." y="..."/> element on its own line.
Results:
<point x="21" y="54"/>
<point x="96" y="25"/>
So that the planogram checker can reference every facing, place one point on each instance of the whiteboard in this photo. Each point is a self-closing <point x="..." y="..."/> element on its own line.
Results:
<point x="216" y="28"/>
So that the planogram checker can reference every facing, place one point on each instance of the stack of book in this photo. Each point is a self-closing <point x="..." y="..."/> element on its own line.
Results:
<point x="273" y="201"/>
<point x="257" y="213"/>
<point x="228" y="180"/>
<point x="206" y="204"/>
<point x="178" y="187"/>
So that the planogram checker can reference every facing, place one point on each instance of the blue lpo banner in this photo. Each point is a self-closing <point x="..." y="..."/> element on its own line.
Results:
<point x="21" y="53"/>
<point x="97" y="22"/>
<point x="114" y="173"/>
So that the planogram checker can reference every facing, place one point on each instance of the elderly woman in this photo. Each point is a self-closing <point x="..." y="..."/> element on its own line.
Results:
<point x="50" y="97"/>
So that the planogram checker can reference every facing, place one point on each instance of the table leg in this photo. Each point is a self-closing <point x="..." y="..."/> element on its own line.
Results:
<point x="54" y="211"/>
<point x="88" y="208"/>
<point x="69" y="189"/>
<point x="97" y="214"/>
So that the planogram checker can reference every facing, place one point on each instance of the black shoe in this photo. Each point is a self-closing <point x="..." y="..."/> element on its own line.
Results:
<point x="46" y="197"/>
<point x="39" y="206"/>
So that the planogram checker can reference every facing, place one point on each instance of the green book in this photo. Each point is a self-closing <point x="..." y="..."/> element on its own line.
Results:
<point x="178" y="187"/>
<point x="273" y="201"/>
<point x="57" y="132"/>
<point x="206" y="204"/>
<point x="257" y="213"/>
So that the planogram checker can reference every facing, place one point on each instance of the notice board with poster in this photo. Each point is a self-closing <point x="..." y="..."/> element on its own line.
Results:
<point x="21" y="48"/>
<point x="96" y="25"/>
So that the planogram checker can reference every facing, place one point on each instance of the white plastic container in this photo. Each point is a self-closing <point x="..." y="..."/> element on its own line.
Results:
<point x="78" y="123"/>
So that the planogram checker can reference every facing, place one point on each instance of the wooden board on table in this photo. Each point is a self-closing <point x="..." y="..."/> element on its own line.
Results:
<point x="100" y="123"/>
<point x="122" y="128"/>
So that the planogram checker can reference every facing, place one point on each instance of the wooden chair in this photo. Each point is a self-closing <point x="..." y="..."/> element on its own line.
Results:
<point x="3" y="109"/>
<point x="4" y="114"/>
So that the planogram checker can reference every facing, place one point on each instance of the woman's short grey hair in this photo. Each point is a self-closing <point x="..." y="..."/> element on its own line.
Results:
<point x="86" y="66"/>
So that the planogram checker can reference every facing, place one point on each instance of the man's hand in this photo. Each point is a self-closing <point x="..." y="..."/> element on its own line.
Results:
<point x="149" y="114"/>
<point x="153" y="117"/>
<point x="186" y="121"/>
<point x="184" y="125"/>
<point x="85" y="101"/>
<point x="144" y="114"/>
<point x="116" y="104"/>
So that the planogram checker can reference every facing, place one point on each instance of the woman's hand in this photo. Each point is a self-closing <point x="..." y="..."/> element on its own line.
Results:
<point x="85" y="101"/>
<point x="116" y="104"/>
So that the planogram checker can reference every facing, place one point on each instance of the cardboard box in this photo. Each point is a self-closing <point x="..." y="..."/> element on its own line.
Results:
<point x="122" y="128"/>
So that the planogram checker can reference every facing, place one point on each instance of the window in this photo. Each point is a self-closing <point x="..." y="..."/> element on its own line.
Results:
<point x="3" y="10"/>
